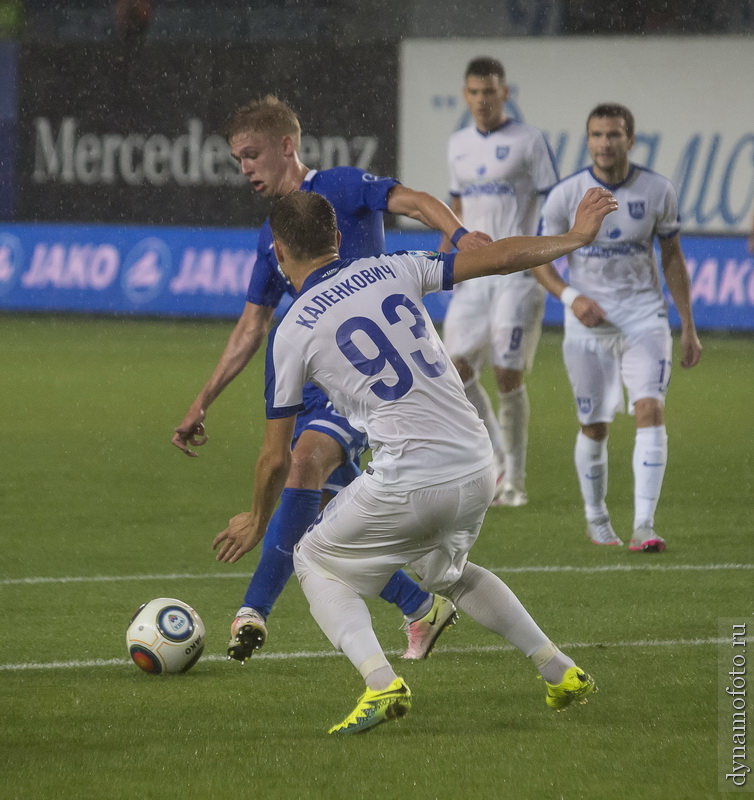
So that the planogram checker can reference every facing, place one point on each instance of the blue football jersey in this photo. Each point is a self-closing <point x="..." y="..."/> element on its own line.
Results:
<point x="359" y="199"/>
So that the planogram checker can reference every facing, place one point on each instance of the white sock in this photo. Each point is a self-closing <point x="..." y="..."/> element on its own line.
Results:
<point x="489" y="601"/>
<point x="486" y="599"/>
<point x="479" y="398"/>
<point x="514" y="425"/>
<point x="590" y="458"/>
<point x="552" y="663"/>
<point x="344" y="618"/>
<point x="650" y="458"/>
<point x="379" y="679"/>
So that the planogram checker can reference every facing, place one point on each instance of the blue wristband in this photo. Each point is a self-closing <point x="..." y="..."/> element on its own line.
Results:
<point x="457" y="235"/>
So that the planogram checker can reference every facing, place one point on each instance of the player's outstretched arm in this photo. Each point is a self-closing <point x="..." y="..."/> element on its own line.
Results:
<point x="246" y="530"/>
<point x="434" y="214"/>
<point x="679" y="286"/>
<point x="243" y="343"/>
<point x="518" y="253"/>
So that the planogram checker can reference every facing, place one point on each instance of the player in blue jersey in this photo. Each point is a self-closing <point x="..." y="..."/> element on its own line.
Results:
<point x="265" y="138"/>
<point x="359" y="329"/>
<point x="616" y="325"/>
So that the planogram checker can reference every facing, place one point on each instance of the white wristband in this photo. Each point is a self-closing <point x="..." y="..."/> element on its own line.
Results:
<point x="568" y="295"/>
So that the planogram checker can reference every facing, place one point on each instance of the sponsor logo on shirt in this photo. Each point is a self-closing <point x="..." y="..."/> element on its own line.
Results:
<point x="479" y="189"/>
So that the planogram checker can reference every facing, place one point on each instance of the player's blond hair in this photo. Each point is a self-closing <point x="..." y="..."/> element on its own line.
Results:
<point x="268" y="116"/>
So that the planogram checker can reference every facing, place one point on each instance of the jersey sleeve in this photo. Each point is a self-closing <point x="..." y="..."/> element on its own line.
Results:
<point x="433" y="271"/>
<point x="544" y="169"/>
<point x="284" y="378"/>
<point x="353" y="188"/>
<point x="555" y="217"/>
<point x="669" y="221"/>
<point x="266" y="285"/>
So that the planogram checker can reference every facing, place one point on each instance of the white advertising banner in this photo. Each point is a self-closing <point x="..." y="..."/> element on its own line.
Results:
<point x="692" y="97"/>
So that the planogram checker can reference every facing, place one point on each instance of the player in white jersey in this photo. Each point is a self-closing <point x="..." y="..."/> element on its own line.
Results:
<point x="359" y="330"/>
<point x="265" y="138"/>
<point x="616" y="322"/>
<point x="499" y="170"/>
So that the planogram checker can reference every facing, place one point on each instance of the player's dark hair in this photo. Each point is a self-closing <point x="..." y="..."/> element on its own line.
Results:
<point x="613" y="110"/>
<point x="484" y="66"/>
<point x="268" y="116"/>
<point x="305" y="223"/>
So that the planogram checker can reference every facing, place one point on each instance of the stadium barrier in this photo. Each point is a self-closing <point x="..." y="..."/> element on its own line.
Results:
<point x="204" y="272"/>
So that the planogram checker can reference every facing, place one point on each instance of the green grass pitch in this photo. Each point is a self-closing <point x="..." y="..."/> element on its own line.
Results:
<point x="91" y="488"/>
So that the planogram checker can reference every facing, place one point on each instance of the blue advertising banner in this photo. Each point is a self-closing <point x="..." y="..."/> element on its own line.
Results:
<point x="183" y="272"/>
<point x="204" y="272"/>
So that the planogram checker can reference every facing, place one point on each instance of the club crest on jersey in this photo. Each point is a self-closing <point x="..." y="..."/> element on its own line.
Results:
<point x="502" y="152"/>
<point x="636" y="209"/>
<point x="585" y="404"/>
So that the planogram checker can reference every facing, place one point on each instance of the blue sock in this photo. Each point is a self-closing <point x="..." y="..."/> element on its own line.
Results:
<point x="404" y="592"/>
<point x="297" y="510"/>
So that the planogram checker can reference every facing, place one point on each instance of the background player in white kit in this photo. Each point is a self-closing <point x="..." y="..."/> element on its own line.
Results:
<point x="499" y="170"/>
<point x="616" y="325"/>
<point x="358" y="329"/>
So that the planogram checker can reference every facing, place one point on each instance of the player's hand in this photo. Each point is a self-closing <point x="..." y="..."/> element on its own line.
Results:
<point x="237" y="539"/>
<point x="191" y="432"/>
<point x="473" y="240"/>
<point x="588" y="312"/>
<point x="691" y="349"/>
<point x="595" y="205"/>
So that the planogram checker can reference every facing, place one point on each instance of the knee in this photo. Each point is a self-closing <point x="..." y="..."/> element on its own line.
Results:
<point x="310" y="467"/>
<point x="597" y="431"/>
<point x="302" y="474"/>
<point x="508" y="380"/>
<point x="649" y="412"/>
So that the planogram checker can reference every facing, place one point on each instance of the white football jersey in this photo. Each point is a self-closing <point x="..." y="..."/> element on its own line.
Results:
<point x="500" y="177"/>
<point x="619" y="268"/>
<point x="359" y="330"/>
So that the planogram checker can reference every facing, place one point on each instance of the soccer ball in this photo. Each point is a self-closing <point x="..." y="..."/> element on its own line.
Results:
<point x="165" y="636"/>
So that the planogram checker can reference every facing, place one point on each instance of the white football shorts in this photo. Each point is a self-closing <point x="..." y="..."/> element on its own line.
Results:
<point x="367" y="532"/>
<point x="489" y="320"/>
<point x="600" y="365"/>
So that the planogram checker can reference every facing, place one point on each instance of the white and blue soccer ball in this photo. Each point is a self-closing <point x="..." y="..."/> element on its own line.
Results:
<point x="165" y="636"/>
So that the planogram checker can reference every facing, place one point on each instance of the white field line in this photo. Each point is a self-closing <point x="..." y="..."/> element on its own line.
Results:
<point x="119" y="662"/>
<point x="505" y="570"/>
